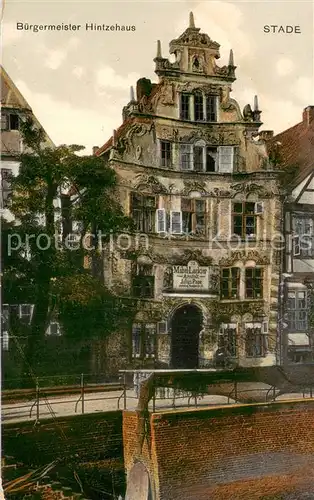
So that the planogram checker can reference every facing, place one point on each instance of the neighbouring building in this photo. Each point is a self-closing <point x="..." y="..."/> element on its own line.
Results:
<point x="295" y="148"/>
<point x="14" y="110"/>
<point x="194" y="174"/>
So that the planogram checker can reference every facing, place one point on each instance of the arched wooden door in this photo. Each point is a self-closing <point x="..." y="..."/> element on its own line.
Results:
<point x="186" y="325"/>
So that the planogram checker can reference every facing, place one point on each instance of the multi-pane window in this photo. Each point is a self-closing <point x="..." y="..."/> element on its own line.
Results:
<point x="185" y="106"/>
<point x="193" y="216"/>
<point x="303" y="241"/>
<point x="10" y="121"/>
<point x="6" y="178"/>
<point x="255" y="340"/>
<point x="185" y="157"/>
<point x="254" y="283"/>
<point x="229" y="283"/>
<point x="143" y="284"/>
<point x="143" y="212"/>
<point x="166" y="153"/>
<point x="227" y="339"/>
<point x="211" y="108"/>
<point x="198" y="107"/>
<point x="298" y="310"/>
<point x="205" y="107"/>
<point x="202" y="158"/>
<point x="244" y="220"/>
<point x="4" y="121"/>
<point x="143" y="340"/>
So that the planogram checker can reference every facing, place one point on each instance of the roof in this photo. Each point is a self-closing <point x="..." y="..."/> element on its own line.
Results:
<point x="11" y="97"/>
<point x="296" y="146"/>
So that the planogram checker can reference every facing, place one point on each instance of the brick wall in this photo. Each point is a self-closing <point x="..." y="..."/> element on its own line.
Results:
<point x="247" y="452"/>
<point x="95" y="436"/>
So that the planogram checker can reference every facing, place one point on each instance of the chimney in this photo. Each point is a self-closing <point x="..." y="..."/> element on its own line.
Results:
<point x="266" y="135"/>
<point x="95" y="148"/>
<point x="308" y="116"/>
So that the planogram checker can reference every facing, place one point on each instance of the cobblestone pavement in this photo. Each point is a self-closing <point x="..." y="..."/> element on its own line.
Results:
<point x="104" y="401"/>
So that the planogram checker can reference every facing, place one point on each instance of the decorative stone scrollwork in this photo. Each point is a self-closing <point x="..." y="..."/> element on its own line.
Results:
<point x="191" y="255"/>
<point x="257" y="257"/>
<point x="250" y="188"/>
<point x="149" y="183"/>
<point x="194" y="186"/>
<point x="220" y="193"/>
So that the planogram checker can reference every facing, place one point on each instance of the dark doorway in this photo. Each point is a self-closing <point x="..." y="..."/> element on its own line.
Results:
<point x="186" y="325"/>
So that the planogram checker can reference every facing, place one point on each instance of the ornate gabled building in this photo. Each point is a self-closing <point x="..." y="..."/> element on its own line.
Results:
<point x="194" y="174"/>
<point x="294" y="149"/>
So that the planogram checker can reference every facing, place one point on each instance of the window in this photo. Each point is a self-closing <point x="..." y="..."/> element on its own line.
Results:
<point x="198" y="107"/>
<point x="53" y="329"/>
<point x="6" y="178"/>
<point x="193" y="216"/>
<point x="185" y="107"/>
<point x="211" y="108"/>
<point x="143" y="211"/>
<point x="185" y="157"/>
<point x="26" y="311"/>
<point x="14" y="122"/>
<point x="303" y="236"/>
<point x="205" y="107"/>
<point x="255" y="340"/>
<point x="227" y="339"/>
<point x="166" y="156"/>
<point x="298" y="310"/>
<point x="202" y="158"/>
<point x="244" y="220"/>
<point x="229" y="285"/>
<point x="4" y="121"/>
<point x="143" y="340"/>
<point x="253" y="283"/>
<point x="144" y="282"/>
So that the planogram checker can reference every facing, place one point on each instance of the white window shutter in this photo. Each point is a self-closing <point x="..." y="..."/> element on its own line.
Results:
<point x="259" y="207"/>
<point x="225" y="159"/>
<point x="175" y="222"/>
<point x="161" y="220"/>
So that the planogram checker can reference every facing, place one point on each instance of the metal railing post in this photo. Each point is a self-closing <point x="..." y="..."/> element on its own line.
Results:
<point x="124" y="390"/>
<point x="37" y="399"/>
<point x="154" y="394"/>
<point x="82" y="392"/>
<point x="236" y="390"/>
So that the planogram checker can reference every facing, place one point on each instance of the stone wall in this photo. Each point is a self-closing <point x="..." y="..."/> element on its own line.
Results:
<point x="247" y="452"/>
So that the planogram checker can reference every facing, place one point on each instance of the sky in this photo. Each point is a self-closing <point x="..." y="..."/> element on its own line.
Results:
<point x="77" y="82"/>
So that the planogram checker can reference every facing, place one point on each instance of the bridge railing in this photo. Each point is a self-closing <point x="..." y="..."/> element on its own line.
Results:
<point x="241" y="391"/>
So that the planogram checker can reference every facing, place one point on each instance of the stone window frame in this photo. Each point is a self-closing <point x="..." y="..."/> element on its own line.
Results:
<point x="232" y="276"/>
<point x="189" y="154"/>
<point x="144" y="213"/>
<point x="187" y="108"/>
<point x="256" y="339"/>
<point x="227" y="341"/>
<point x="144" y="333"/>
<point x="256" y="274"/>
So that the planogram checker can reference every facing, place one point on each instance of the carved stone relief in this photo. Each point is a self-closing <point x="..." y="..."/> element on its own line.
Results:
<point x="242" y="256"/>
<point x="149" y="182"/>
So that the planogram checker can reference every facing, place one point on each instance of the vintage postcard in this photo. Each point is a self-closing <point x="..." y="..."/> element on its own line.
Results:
<point x="157" y="250"/>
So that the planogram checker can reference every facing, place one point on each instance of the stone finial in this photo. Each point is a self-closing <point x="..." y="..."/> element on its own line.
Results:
<point x="231" y="59"/>
<point x="132" y="97"/>
<point x="158" y="55"/>
<point x="191" y="23"/>
<point x="256" y="103"/>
